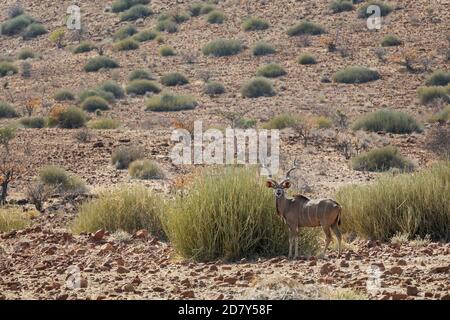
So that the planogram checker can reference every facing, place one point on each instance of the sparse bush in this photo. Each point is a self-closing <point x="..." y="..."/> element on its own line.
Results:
<point x="195" y="9"/>
<point x="385" y="9"/>
<point x="124" y="155"/>
<point x="180" y="16"/>
<point x="167" y="25"/>
<point x="306" y="58"/>
<point x="135" y="12"/>
<point x="112" y="87"/>
<point x="229" y="214"/>
<point x="57" y="37"/>
<point x="388" y="121"/>
<point x="7" y="111"/>
<point x="64" y="95"/>
<point x="438" y="78"/>
<point x="26" y="70"/>
<point x="258" y="87"/>
<point x="170" y="102"/>
<point x="381" y="159"/>
<point x="12" y="218"/>
<point x="428" y="95"/>
<point x="108" y="96"/>
<point x="126" y="45"/>
<point x="140" y="74"/>
<point x="145" y="35"/>
<point x="324" y="122"/>
<point x="263" y="48"/>
<point x="125" y="32"/>
<point x="391" y="41"/>
<point x="216" y="17"/>
<point x="84" y="46"/>
<point x="122" y="5"/>
<point x="166" y="51"/>
<point x="222" y="47"/>
<point x="414" y="204"/>
<point x="7" y="68"/>
<point x="91" y="104"/>
<point x="272" y="70"/>
<point x="59" y="179"/>
<point x="124" y="208"/>
<point x="33" y="30"/>
<point x="71" y="118"/>
<point x="37" y="193"/>
<point x="245" y="123"/>
<point x="213" y="88"/>
<point x="438" y="141"/>
<point x="174" y="79"/>
<point x="253" y="24"/>
<point x="103" y="124"/>
<point x="305" y="27"/>
<point x="33" y="122"/>
<point x="25" y="54"/>
<point x="281" y="121"/>
<point x="16" y="25"/>
<point x="145" y="170"/>
<point x="15" y="10"/>
<point x="341" y="6"/>
<point x="100" y="62"/>
<point x="207" y="8"/>
<point x="441" y="116"/>
<point x="141" y="87"/>
<point x="356" y="74"/>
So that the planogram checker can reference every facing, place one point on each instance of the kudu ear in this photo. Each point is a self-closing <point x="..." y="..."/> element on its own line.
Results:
<point x="286" y="185"/>
<point x="269" y="184"/>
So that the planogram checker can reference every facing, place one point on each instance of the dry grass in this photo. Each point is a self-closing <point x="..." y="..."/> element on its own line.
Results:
<point x="12" y="218"/>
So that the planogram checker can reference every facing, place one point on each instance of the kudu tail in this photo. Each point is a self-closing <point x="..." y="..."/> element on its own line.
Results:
<point x="338" y="219"/>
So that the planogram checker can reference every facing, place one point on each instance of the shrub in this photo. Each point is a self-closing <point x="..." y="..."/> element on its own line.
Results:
<point x="306" y="58"/>
<point x="415" y="204"/>
<point x="253" y="24"/>
<point x="145" y="35"/>
<point x="384" y="8"/>
<point x="195" y="9"/>
<point x="429" y="95"/>
<point x="100" y="62"/>
<point x="174" y="79"/>
<point x="324" y="122"/>
<point x="170" y="102"/>
<point x="258" y="87"/>
<point x="7" y="68"/>
<point x="25" y="54"/>
<point x="281" y="121"/>
<point x="71" y="118"/>
<point x="391" y="41"/>
<point x="33" y="30"/>
<point x="16" y="25"/>
<point x="305" y="27"/>
<point x="7" y="111"/>
<point x="141" y="87"/>
<point x="180" y="16"/>
<point x="341" y="6"/>
<point x="166" y="51"/>
<point x="272" y="70"/>
<point x="216" y="17"/>
<point x="122" y="5"/>
<point x="108" y="96"/>
<point x="207" y="8"/>
<point x="112" y="87"/>
<point x="135" y="12"/>
<point x="125" y="208"/>
<point x="64" y="95"/>
<point x="438" y="78"/>
<point x="140" y="74"/>
<point x="222" y="47"/>
<point x="443" y="115"/>
<point x="126" y="45"/>
<point x="15" y="10"/>
<point x="167" y="25"/>
<point x="103" y="124"/>
<point x="263" y="48"/>
<point x="33" y="122"/>
<point x="388" y="121"/>
<point x="245" y="123"/>
<point x="94" y="103"/>
<point x="57" y="37"/>
<point x="59" y="179"/>
<point x="381" y="159"/>
<point x="356" y="75"/>
<point x="84" y="46"/>
<point x="214" y="87"/>
<point x="229" y="214"/>
<point x="125" y="32"/>
<point x="145" y="169"/>
<point x="124" y="155"/>
<point x="12" y="218"/>
<point x="438" y="141"/>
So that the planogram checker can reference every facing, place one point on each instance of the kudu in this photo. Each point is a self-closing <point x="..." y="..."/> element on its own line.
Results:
<point x="301" y="211"/>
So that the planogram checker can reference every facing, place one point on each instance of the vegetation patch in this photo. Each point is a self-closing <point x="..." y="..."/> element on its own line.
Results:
<point x="140" y="74"/>
<point x="385" y="9"/>
<point x="103" y="124"/>
<point x="112" y="87"/>
<point x="12" y="218"/>
<point x="254" y="24"/>
<point x="166" y="51"/>
<point x="7" y="111"/>
<point x="124" y="155"/>
<point x="26" y="53"/>
<point x="122" y="5"/>
<point x="16" y="25"/>
<point x="428" y="95"/>
<point x="281" y="121"/>
<point x="438" y="78"/>
<point x="222" y="47"/>
<point x="258" y="87"/>
<point x="213" y="88"/>
<point x="84" y="46"/>
<point x="174" y="79"/>
<point x="64" y="95"/>
<point x="7" y="68"/>
<point x="141" y="87"/>
<point x="216" y="17"/>
<point x="272" y="70"/>
<point x="125" y="32"/>
<point x="170" y="102"/>
<point x="60" y="180"/>
<point x="337" y="6"/>
<point x="94" y="103"/>
<point x="391" y="41"/>
<point x="145" y="170"/>
<point x="71" y="118"/>
<point x="135" y="12"/>
<point x="126" y="45"/>
<point x="263" y="48"/>
<point x="388" y="121"/>
<point x="305" y="28"/>
<point x="442" y="116"/>
<point x="306" y="58"/>
<point x="100" y="62"/>
<point x="33" y="122"/>
<point x="356" y="75"/>
<point x="145" y="35"/>
<point x="381" y="159"/>
<point x="33" y="30"/>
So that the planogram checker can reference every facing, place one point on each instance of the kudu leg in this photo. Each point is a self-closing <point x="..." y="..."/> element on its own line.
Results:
<point x="328" y="238"/>
<point x="337" y="232"/>
<point x="296" y="247"/>
<point x="290" y="246"/>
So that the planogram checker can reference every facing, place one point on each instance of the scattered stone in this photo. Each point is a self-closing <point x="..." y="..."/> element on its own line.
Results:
<point x="122" y="269"/>
<point x="128" y="288"/>
<point x="326" y="268"/>
<point x="99" y="235"/>
<point x="412" y="291"/>
<point x="396" y="270"/>
<point x="141" y="234"/>
<point x="344" y="264"/>
<point x="188" y="294"/>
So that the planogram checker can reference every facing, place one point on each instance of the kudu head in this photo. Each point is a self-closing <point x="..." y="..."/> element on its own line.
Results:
<point x="284" y="184"/>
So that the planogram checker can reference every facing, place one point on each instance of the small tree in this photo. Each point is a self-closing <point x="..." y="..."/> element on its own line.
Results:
<point x="10" y="166"/>
<point x="57" y="37"/>
<point x="304" y="127"/>
<point x="32" y="105"/>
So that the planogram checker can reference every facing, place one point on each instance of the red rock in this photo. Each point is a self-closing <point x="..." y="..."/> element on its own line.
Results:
<point x="220" y="297"/>
<point x="312" y="263"/>
<point x="213" y="268"/>
<point x="396" y="270"/>
<point x="63" y="296"/>
<point x="230" y="280"/>
<point x="128" y="288"/>
<point x="441" y="269"/>
<point x="398" y="296"/>
<point x="428" y="294"/>
<point x="380" y="265"/>
<point x="446" y="297"/>
<point x="141" y="234"/>
<point x="99" y="235"/>
<point x="186" y="283"/>
<point x="326" y="268"/>
<point x="412" y="291"/>
<point x="402" y="262"/>
<point x="107" y="247"/>
<point x="159" y="289"/>
<point x="343" y="264"/>
<point x="121" y="269"/>
<point x="188" y="294"/>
